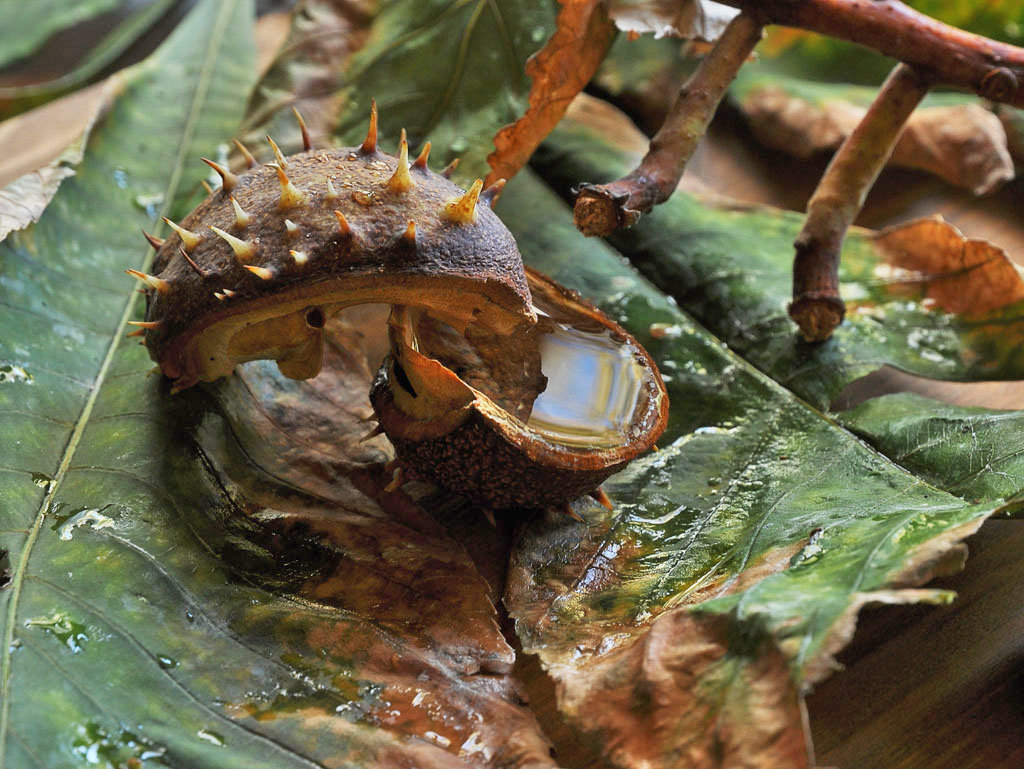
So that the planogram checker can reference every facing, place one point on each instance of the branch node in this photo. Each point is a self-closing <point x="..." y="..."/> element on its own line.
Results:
<point x="999" y="84"/>
<point x="818" y="314"/>
<point x="600" y="210"/>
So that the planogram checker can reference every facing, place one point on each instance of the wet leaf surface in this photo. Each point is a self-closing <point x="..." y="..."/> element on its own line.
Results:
<point x="975" y="453"/>
<point x="212" y="579"/>
<point x="220" y="578"/>
<point x="448" y="71"/>
<point x="729" y="264"/>
<point x="737" y="557"/>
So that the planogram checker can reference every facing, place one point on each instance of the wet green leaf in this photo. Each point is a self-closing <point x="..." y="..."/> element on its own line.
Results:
<point x="975" y="453"/>
<point x="736" y="558"/>
<point x="448" y="71"/>
<point x="730" y="266"/>
<point x="216" y="579"/>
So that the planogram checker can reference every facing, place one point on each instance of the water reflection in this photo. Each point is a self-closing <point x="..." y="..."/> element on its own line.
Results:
<point x="594" y="386"/>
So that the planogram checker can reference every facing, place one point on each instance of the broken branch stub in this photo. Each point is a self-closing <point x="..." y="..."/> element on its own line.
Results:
<point x="817" y="307"/>
<point x="603" y="208"/>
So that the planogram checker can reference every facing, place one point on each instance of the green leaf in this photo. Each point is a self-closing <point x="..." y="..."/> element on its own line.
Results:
<point x="216" y="579"/>
<point x="736" y="558"/>
<point x="974" y="453"/>
<point x="730" y="266"/>
<point x="28" y="25"/>
<point x="450" y="71"/>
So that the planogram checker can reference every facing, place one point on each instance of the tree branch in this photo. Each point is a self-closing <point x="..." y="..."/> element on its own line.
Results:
<point x="817" y="307"/>
<point x="602" y="209"/>
<point x="947" y="54"/>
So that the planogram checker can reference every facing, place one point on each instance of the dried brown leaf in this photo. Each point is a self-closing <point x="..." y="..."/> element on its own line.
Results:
<point x="960" y="275"/>
<point x="964" y="144"/>
<point x="673" y="698"/>
<point x="559" y="71"/>
<point x="42" y="147"/>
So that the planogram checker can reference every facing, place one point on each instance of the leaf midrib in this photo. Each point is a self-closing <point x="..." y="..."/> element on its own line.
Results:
<point x="203" y="83"/>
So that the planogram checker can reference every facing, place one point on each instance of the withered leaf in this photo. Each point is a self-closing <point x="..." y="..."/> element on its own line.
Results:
<point x="960" y="275"/>
<point x="955" y="138"/>
<point x="559" y="71"/>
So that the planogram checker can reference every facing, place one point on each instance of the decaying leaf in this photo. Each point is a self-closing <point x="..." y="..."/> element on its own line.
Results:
<point x="962" y="143"/>
<point x="966" y="276"/>
<point x="558" y="72"/>
<point x="689" y="19"/>
<point x="23" y="200"/>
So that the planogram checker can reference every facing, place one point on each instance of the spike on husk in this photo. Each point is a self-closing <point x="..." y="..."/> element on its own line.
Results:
<point x="260" y="272"/>
<point x="189" y="238"/>
<point x="601" y="498"/>
<point x="369" y="145"/>
<point x="191" y="263"/>
<point x="159" y="285"/>
<point x="300" y="257"/>
<point x="462" y="210"/>
<point x="291" y="196"/>
<point x="450" y="169"/>
<point x="491" y="194"/>
<point x="244" y="249"/>
<point x="421" y="160"/>
<point x="278" y="156"/>
<point x="409" y="236"/>
<point x="401" y="181"/>
<point x="291" y="228"/>
<point x="332" y="194"/>
<point x="206" y="186"/>
<point x="228" y="180"/>
<point x="242" y="218"/>
<point x="343" y="226"/>
<point x="250" y="161"/>
<point x="307" y="143"/>
<point x="144" y="324"/>
<point x="153" y="240"/>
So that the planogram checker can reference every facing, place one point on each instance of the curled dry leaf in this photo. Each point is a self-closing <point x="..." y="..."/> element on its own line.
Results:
<point x="964" y="144"/>
<point x="689" y="19"/>
<point x="559" y="71"/>
<point x="54" y="152"/>
<point x="960" y="275"/>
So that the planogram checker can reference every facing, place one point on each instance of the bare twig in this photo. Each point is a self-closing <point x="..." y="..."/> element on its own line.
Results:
<point x="947" y="54"/>
<point x="601" y="209"/>
<point x="817" y="307"/>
